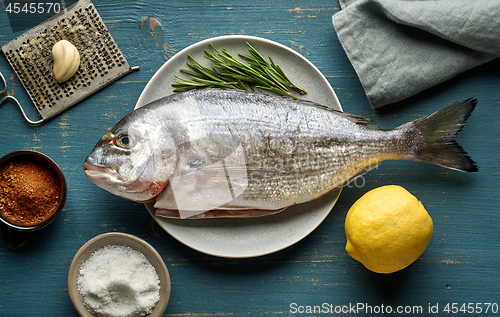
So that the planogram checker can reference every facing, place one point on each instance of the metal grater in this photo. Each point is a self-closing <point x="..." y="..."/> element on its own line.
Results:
<point x="101" y="61"/>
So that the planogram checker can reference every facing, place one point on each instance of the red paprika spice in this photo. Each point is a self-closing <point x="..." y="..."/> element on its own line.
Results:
<point x="30" y="193"/>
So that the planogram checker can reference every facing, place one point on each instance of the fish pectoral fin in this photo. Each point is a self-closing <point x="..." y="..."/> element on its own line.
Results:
<point x="194" y="191"/>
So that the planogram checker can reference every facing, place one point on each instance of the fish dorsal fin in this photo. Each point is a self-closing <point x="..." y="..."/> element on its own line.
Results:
<point x="359" y="120"/>
<point x="351" y="117"/>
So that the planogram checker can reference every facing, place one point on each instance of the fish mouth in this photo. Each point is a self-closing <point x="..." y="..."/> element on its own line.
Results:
<point x="88" y="167"/>
<point x="108" y="179"/>
<point x="99" y="174"/>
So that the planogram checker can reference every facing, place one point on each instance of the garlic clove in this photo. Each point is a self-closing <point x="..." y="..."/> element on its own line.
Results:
<point x="66" y="60"/>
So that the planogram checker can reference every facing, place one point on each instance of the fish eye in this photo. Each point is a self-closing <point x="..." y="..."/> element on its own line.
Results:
<point x="124" y="141"/>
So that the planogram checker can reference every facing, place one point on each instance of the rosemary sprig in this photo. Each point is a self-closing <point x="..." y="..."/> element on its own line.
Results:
<point x="230" y="72"/>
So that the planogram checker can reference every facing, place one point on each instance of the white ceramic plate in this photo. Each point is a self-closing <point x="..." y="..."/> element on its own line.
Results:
<point x="247" y="237"/>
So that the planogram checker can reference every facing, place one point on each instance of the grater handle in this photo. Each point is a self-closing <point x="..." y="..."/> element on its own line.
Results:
<point x="4" y="90"/>
<point x="22" y="110"/>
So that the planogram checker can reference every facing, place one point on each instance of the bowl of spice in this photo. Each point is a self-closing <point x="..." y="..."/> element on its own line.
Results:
<point x="32" y="192"/>
<point x="118" y="274"/>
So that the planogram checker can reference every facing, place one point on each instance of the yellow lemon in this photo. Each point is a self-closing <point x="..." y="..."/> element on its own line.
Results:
<point x="387" y="229"/>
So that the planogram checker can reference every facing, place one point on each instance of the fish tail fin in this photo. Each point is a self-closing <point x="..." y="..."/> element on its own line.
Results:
<point x="437" y="132"/>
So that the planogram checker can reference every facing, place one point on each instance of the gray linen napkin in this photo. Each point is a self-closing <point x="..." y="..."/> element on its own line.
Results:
<point x="401" y="47"/>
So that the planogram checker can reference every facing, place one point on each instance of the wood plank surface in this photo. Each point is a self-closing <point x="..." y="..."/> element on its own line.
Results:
<point x="460" y="265"/>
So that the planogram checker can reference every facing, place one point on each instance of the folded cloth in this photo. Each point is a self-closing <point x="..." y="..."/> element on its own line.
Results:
<point x="401" y="47"/>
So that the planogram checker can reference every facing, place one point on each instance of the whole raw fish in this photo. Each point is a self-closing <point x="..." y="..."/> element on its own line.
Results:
<point x="229" y="153"/>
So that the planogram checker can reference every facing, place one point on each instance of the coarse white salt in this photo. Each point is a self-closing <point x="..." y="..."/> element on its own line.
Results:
<point x="118" y="281"/>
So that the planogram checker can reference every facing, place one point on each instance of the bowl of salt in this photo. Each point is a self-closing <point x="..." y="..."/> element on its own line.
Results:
<point x="118" y="274"/>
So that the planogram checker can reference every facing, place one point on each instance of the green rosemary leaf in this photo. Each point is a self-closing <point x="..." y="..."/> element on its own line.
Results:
<point x="230" y="72"/>
<point x="257" y="55"/>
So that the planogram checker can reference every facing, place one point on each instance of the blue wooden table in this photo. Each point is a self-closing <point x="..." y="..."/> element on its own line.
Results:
<point x="460" y="265"/>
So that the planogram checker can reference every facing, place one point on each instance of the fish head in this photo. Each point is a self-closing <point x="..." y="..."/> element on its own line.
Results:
<point x="134" y="160"/>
